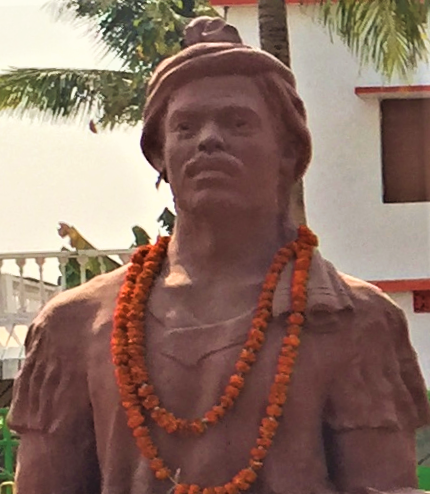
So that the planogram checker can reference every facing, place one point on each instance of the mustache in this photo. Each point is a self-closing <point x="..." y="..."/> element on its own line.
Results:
<point x="219" y="161"/>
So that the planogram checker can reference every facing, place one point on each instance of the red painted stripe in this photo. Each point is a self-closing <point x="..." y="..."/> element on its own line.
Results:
<point x="368" y="90"/>
<point x="395" y="286"/>
<point x="232" y="3"/>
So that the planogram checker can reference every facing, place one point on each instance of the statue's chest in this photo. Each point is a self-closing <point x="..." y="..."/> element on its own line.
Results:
<point x="190" y="368"/>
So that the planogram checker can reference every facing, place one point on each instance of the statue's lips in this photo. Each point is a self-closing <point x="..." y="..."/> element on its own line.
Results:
<point x="212" y="168"/>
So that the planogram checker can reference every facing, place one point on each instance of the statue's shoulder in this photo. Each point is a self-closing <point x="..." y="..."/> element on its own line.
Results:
<point x="355" y="293"/>
<point x="378" y="381"/>
<point x="365" y="295"/>
<point x="72" y="313"/>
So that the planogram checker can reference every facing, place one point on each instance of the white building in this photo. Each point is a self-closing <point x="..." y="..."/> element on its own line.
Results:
<point x="20" y="299"/>
<point x="24" y="289"/>
<point x="367" y="189"/>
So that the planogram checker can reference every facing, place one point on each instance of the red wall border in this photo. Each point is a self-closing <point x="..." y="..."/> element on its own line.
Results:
<point x="232" y="3"/>
<point x="396" y="286"/>
<point x="387" y="90"/>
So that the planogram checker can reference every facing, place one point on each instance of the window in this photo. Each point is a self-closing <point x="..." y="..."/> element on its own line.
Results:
<point x="405" y="129"/>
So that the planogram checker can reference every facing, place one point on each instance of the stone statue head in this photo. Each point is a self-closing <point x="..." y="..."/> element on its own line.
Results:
<point x="224" y="118"/>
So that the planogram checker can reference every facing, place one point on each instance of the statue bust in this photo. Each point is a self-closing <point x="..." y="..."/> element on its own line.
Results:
<point x="231" y="357"/>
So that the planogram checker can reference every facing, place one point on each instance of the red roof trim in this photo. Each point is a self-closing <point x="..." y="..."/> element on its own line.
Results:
<point x="386" y="90"/>
<point x="231" y="3"/>
<point x="395" y="286"/>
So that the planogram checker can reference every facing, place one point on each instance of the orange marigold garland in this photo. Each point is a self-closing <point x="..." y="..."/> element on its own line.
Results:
<point x="128" y="351"/>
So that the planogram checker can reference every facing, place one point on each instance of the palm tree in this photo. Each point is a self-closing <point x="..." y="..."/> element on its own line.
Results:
<point x="388" y="33"/>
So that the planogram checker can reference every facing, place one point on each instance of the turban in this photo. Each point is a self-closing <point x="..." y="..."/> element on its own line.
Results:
<point x="214" y="48"/>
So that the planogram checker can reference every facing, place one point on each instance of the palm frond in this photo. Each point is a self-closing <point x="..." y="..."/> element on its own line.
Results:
<point x="112" y="97"/>
<point x="389" y="34"/>
<point x="140" y="33"/>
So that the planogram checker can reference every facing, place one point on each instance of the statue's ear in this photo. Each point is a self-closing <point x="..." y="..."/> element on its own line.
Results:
<point x="153" y="151"/>
<point x="290" y="159"/>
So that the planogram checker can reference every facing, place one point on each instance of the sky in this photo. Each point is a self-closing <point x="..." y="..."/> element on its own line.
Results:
<point x="99" y="183"/>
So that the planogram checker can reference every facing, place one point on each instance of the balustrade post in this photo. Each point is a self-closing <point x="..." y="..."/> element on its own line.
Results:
<point x="40" y="261"/>
<point x="83" y="260"/>
<point x="21" y="263"/>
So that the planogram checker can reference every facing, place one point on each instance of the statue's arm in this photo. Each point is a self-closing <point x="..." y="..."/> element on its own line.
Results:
<point x="377" y="401"/>
<point x="52" y="414"/>
<point x="365" y="459"/>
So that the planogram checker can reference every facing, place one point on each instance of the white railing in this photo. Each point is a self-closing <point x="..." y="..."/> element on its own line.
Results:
<point x="28" y="280"/>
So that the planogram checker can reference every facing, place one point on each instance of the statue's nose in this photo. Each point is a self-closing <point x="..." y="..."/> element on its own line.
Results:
<point x="211" y="140"/>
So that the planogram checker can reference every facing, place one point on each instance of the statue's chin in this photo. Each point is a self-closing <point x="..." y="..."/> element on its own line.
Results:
<point x="214" y="203"/>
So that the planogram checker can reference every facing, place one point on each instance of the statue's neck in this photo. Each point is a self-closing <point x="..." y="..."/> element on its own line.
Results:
<point x="240" y="245"/>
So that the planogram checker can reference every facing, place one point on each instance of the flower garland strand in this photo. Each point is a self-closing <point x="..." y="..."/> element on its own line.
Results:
<point x="136" y="392"/>
<point x="131" y="321"/>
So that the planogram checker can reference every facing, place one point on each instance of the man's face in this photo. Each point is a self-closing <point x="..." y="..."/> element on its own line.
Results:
<point x="222" y="150"/>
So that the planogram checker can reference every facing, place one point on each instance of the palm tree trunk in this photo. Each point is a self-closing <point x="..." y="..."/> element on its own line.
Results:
<point x="273" y="27"/>
<point x="274" y="38"/>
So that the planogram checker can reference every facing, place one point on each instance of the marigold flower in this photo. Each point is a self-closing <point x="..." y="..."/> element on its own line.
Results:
<point x="162" y="473"/>
<point x="298" y="305"/>
<point x="145" y="390"/>
<point x="255" y="464"/>
<point x="141" y="431"/>
<point x="231" y="488"/>
<point x="232" y="392"/>
<point x="242" y="366"/>
<point x="146" y="446"/>
<point x="264" y="433"/>
<point x="211" y="417"/>
<point x="264" y="442"/>
<point x="257" y="335"/>
<point x="226" y="401"/>
<point x="253" y="345"/>
<point x="135" y="420"/>
<point x="237" y="381"/>
<point x="220" y="411"/>
<point x="258" y="453"/>
<point x="209" y="490"/>
<point x="274" y="410"/>
<point x="172" y="426"/>
<point x="293" y="340"/>
<point x="282" y="379"/>
<point x="181" y="489"/>
<point x="156" y="464"/>
<point x="270" y="424"/>
<point x="197" y="426"/>
<point x="296" y="318"/>
<point x="220" y="490"/>
<point x="240" y="482"/>
<point x="150" y="402"/>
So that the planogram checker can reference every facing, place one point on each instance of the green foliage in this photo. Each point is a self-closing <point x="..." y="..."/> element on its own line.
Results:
<point x="167" y="220"/>
<point x="140" y="33"/>
<point x="390" y="34"/>
<point x="140" y="237"/>
<point x="94" y="266"/>
<point x="68" y="93"/>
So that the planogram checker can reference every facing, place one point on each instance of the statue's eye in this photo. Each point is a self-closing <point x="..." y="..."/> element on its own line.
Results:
<point x="183" y="126"/>
<point x="240" y="123"/>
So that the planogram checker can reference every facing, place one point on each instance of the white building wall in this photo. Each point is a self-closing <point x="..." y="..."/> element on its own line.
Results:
<point x="358" y="232"/>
